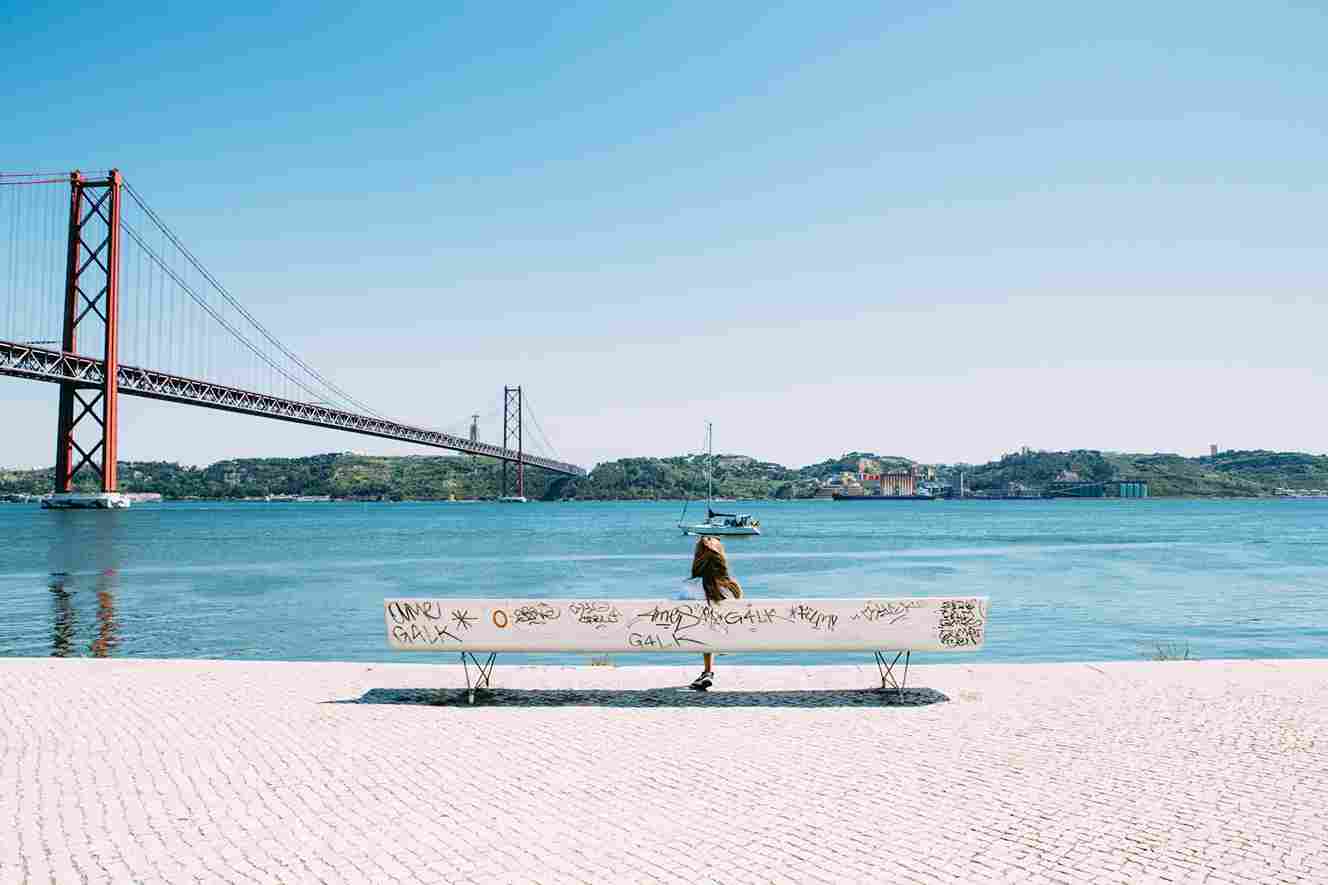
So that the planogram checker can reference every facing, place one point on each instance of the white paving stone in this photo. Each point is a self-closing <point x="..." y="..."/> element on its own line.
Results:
<point x="177" y="771"/>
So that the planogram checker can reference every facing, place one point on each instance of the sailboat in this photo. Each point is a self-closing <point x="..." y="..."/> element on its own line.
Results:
<point x="717" y="523"/>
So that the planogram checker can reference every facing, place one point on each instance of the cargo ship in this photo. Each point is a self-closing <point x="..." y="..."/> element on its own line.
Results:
<point x="840" y="496"/>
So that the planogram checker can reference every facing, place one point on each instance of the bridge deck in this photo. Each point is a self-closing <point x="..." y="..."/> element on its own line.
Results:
<point x="41" y="364"/>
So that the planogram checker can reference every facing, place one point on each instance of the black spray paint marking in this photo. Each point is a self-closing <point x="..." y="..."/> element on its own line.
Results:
<point x="536" y="614"/>
<point x="403" y="612"/>
<point x="422" y="634"/>
<point x="818" y="619"/>
<point x="891" y="612"/>
<point x="655" y="640"/>
<point x="681" y="618"/>
<point x="962" y="622"/>
<point x="595" y="612"/>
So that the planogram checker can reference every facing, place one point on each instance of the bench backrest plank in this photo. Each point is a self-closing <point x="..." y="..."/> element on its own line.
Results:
<point x="641" y="625"/>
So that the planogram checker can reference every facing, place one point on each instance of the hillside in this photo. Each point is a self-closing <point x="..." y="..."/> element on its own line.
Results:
<point x="421" y="477"/>
<point x="1035" y="469"/>
<point x="1225" y="475"/>
<point x="425" y="477"/>
<point x="736" y="476"/>
<point x="849" y="464"/>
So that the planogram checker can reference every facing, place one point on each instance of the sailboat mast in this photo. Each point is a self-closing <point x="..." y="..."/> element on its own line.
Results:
<point x="710" y="465"/>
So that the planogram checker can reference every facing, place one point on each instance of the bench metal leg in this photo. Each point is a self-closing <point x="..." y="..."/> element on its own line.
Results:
<point x="482" y="677"/>
<point x="888" y="679"/>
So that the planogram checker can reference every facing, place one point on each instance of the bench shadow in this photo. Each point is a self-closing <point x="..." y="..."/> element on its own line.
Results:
<point x="671" y="696"/>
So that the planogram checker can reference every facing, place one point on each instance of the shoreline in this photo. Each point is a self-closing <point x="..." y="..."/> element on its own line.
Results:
<point x="591" y="673"/>
<point x="938" y="498"/>
<point x="662" y="661"/>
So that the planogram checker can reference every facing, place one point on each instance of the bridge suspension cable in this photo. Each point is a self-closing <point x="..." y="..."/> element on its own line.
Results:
<point x="548" y="447"/>
<point x="171" y="273"/>
<point x="319" y="380"/>
<point x="32" y="265"/>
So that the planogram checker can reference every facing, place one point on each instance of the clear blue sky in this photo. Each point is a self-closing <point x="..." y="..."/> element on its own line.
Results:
<point x="942" y="233"/>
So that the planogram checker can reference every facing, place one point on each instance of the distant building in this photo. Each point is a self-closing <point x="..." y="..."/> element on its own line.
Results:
<point x="891" y="483"/>
<point x="1212" y="450"/>
<point x="899" y="482"/>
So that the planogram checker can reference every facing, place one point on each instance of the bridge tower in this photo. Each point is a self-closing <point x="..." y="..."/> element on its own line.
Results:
<point x="92" y="299"/>
<point x="512" y="434"/>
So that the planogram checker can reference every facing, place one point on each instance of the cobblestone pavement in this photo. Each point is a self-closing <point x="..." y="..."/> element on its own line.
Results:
<point x="175" y="771"/>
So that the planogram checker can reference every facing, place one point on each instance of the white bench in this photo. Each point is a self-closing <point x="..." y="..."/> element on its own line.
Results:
<point x="477" y="626"/>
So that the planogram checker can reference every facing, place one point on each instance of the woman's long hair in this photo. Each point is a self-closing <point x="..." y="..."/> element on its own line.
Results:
<point x="712" y="567"/>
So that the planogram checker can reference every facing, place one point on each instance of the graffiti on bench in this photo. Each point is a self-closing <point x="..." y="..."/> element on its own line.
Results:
<point x="610" y="625"/>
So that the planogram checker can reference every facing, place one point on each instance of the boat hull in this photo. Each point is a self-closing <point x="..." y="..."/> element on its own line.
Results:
<point x="85" y="501"/>
<point x="720" y="530"/>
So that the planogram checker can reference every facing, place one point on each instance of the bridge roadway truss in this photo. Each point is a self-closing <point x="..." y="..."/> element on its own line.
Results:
<point x="41" y="364"/>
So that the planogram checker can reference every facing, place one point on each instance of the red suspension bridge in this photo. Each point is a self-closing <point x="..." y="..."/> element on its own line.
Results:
<point x="99" y="296"/>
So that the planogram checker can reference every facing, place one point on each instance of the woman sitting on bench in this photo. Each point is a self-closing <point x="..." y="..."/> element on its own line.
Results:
<point x="712" y="567"/>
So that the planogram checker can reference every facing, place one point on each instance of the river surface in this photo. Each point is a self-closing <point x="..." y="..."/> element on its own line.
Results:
<point x="1068" y="580"/>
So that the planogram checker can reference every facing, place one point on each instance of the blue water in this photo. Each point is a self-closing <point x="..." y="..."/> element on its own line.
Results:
<point x="1068" y="580"/>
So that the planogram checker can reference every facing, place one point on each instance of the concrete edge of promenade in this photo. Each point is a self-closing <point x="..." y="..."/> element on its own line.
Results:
<point x="956" y="681"/>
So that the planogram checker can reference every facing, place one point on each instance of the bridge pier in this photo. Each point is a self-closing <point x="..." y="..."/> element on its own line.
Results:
<point x="511" y="433"/>
<point x="92" y="286"/>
